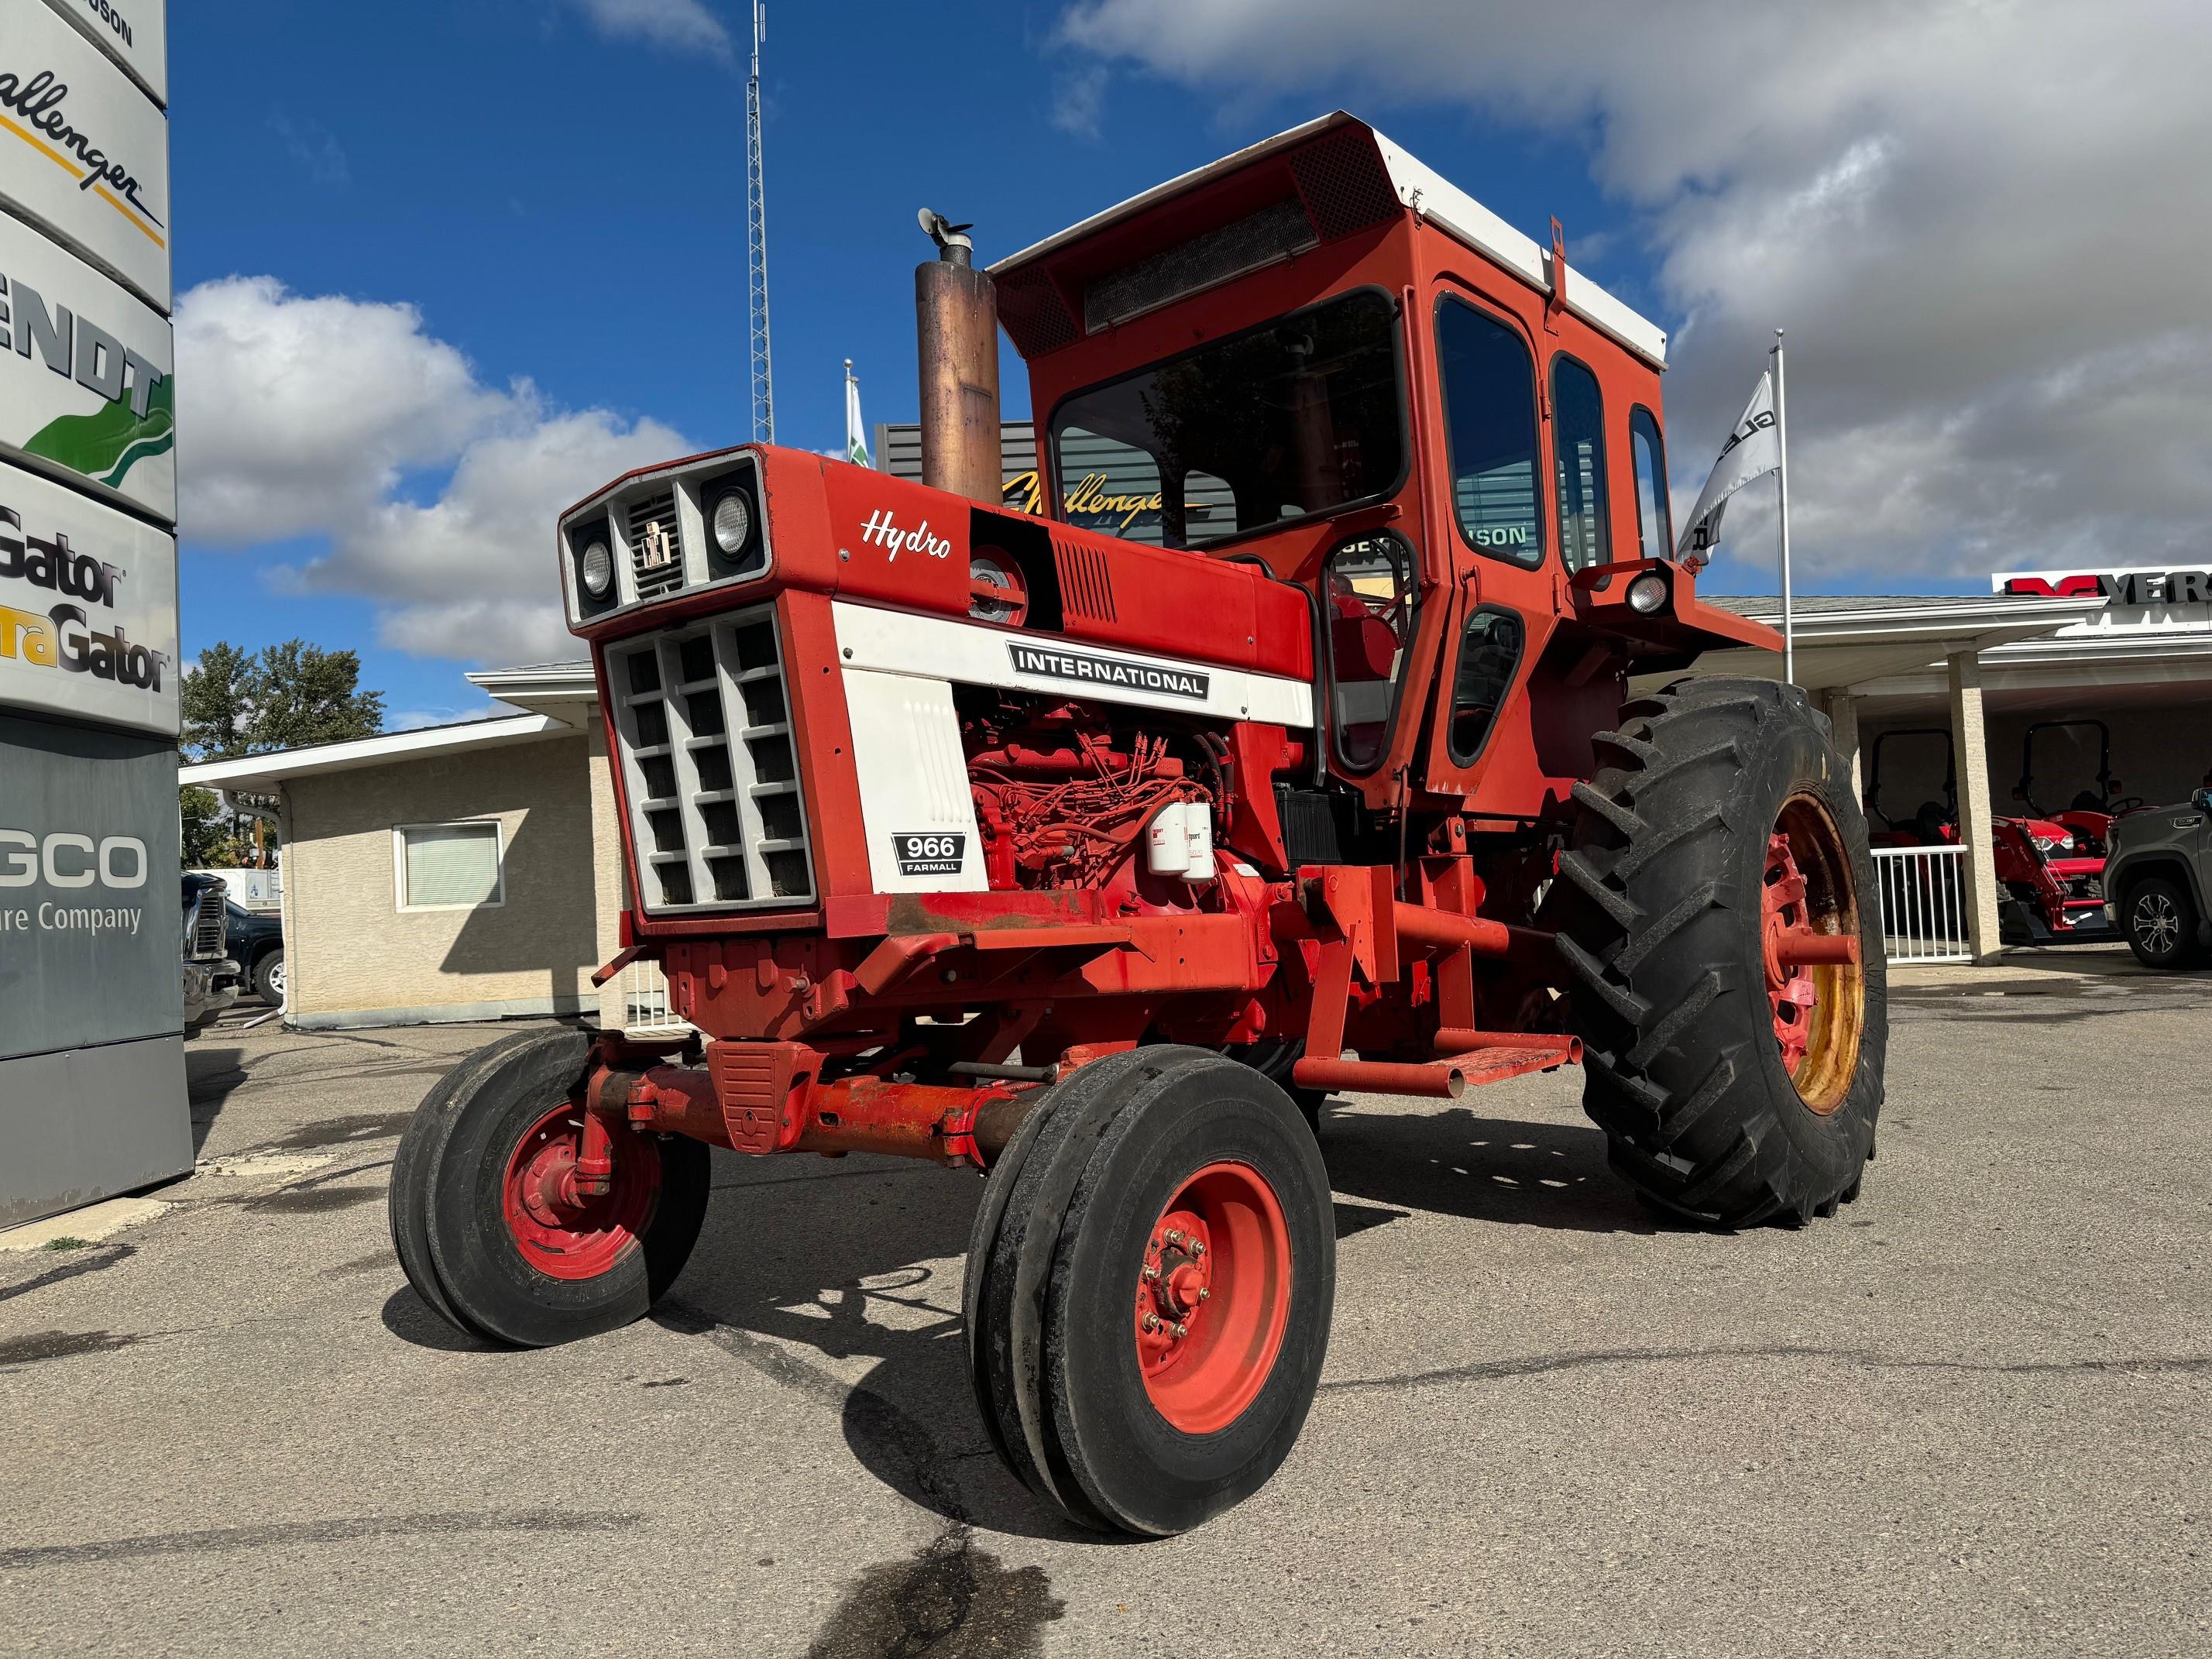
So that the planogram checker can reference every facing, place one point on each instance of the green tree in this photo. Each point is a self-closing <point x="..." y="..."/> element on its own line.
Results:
<point x="237" y="702"/>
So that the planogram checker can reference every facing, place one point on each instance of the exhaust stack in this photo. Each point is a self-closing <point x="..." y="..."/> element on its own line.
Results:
<point x="956" y="329"/>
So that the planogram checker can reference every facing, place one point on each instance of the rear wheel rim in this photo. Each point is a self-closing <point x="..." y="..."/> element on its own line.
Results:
<point x="1819" y="1009"/>
<point x="1213" y="1298"/>
<point x="564" y="1234"/>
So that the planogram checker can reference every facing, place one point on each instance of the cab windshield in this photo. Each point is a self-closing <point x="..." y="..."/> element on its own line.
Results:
<point x="1298" y="416"/>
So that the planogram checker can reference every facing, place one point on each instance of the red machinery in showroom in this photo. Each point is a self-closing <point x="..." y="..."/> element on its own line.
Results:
<point x="1095" y="862"/>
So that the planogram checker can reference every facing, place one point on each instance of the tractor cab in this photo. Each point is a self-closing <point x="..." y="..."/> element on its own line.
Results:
<point x="1320" y="358"/>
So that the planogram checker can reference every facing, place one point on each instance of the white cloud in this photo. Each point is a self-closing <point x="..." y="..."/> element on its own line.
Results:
<point x="1984" y="222"/>
<point x="304" y="417"/>
<point x="683" y="24"/>
<point x="1078" y="100"/>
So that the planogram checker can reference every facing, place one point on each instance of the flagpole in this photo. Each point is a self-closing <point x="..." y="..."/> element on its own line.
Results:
<point x="849" y="408"/>
<point x="1782" y="496"/>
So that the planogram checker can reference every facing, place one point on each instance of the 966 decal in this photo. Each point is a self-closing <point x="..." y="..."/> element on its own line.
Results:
<point x="941" y="852"/>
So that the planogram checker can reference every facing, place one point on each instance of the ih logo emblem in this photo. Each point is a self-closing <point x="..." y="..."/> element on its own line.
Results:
<point x="939" y="855"/>
<point x="658" y="550"/>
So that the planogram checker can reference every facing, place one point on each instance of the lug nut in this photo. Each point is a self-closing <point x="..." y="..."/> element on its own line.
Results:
<point x="1197" y="1249"/>
<point x="1174" y="1236"/>
<point x="1205" y="1295"/>
<point x="1152" y="1322"/>
<point x="1151" y="1272"/>
<point x="1179" y="1330"/>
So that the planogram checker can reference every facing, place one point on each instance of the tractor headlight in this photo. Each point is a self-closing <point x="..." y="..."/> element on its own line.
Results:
<point x="596" y="567"/>
<point x="1647" y="593"/>
<point x="733" y="523"/>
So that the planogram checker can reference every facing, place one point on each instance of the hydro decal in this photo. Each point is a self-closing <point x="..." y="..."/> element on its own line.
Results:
<point x="935" y="854"/>
<point x="1049" y="663"/>
<point x="883" y="531"/>
<point x="2126" y="587"/>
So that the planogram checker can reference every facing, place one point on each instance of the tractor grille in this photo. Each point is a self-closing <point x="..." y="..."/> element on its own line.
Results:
<point x="211" y="924"/>
<point x="656" y="547"/>
<point x="703" y="716"/>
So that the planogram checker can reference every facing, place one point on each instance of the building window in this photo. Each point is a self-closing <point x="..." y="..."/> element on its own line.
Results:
<point x="1655" y="521"/>
<point x="1578" y="442"/>
<point x="1490" y="423"/>
<point x="449" y="867"/>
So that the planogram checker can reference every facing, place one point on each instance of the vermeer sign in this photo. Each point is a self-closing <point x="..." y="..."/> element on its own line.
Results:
<point x="88" y="608"/>
<point x="84" y="373"/>
<point x="83" y="149"/>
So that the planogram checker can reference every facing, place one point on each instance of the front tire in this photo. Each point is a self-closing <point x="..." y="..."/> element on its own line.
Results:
<point x="1737" y="1081"/>
<point x="2160" y="923"/>
<point x="1149" y="1285"/>
<point x="488" y="1233"/>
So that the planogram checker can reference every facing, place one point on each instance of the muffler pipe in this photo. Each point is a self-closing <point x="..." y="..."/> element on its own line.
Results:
<point x="956" y="334"/>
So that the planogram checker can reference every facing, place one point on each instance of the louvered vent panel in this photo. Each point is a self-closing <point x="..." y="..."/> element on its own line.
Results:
<point x="1274" y="233"/>
<point x="704" y="722"/>
<point x="1344" y="186"/>
<point x="1085" y="588"/>
<point x="656" y="551"/>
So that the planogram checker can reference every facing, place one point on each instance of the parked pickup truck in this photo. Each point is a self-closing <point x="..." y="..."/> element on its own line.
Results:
<point x="256" y="940"/>
<point x="2158" y="881"/>
<point x="210" y="975"/>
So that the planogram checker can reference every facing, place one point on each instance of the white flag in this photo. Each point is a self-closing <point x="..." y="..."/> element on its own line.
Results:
<point x="1752" y="450"/>
<point x="856" y="443"/>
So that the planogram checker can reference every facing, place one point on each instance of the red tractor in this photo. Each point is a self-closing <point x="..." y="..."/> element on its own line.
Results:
<point x="2089" y="817"/>
<point x="2054" y="888"/>
<point x="1293" y="752"/>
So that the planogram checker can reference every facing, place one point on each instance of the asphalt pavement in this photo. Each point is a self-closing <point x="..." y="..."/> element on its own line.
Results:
<point x="1968" y="1415"/>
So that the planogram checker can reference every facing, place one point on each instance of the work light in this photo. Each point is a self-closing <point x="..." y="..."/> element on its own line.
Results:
<point x="598" y="570"/>
<point x="733" y="523"/>
<point x="1647" y="593"/>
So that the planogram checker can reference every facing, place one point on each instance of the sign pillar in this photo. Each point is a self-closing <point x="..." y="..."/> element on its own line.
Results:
<point x="92" y="1066"/>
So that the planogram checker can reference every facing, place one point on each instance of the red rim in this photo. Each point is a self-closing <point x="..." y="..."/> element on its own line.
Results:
<point x="1213" y="1298"/>
<point x="1809" y="939"/>
<point x="562" y="1233"/>
<point x="1790" y="987"/>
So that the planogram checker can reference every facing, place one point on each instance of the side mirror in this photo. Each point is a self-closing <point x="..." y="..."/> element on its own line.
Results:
<point x="2201" y="800"/>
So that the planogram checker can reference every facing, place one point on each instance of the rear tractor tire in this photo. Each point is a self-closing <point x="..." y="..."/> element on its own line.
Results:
<point x="1150" y="1284"/>
<point x="489" y="1229"/>
<point x="1734" y="1064"/>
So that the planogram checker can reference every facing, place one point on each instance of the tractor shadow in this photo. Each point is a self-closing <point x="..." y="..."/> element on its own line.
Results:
<point x="842" y="1281"/>
<point x="1456" y="1162"/>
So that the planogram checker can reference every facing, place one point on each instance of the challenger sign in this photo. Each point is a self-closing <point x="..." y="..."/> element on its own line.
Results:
<point x="2128" y="585"/>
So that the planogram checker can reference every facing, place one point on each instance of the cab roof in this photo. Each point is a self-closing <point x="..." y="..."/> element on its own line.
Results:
<point x="1348" y="177"/>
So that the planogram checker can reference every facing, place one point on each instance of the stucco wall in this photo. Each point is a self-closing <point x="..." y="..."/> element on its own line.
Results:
<point x="353" y="955"/>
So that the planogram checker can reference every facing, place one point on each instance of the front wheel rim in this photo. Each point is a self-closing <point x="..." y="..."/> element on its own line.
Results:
<point x="1213" y="1298"/>
<point x="564" y="1234"/>
<point x="2158" y="925"/>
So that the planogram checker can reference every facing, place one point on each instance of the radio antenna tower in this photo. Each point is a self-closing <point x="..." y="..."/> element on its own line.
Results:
<point x="756" y="242"/>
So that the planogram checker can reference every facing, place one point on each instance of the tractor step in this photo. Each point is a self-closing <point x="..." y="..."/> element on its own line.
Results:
<point x="1440" y="1079"/>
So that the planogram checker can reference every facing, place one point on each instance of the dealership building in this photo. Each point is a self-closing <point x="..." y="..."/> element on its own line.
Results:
<point x="476" y="871"/>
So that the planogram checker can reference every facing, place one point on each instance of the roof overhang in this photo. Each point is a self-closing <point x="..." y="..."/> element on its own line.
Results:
<point x="1422" y="190"/>
<point x="565" y="690"/>
<point x="1838" y="648"/>
<point x="265" y="772"/>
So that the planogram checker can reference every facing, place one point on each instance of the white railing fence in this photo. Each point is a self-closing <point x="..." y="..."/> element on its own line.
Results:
<point x="1923" y="902"/>
<point x="645" y="1012"/>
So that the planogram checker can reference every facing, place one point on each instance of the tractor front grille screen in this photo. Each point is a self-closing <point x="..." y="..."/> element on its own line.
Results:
<point x="656" y="549"/>
<point x="703" y="718"/>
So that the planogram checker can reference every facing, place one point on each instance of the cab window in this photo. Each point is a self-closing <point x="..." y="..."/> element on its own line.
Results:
<point x="1489" y="653"/>
<point x="1369" y="603"/>
<point x="1655" y="518"/>
<point x="1489" y="383"/>
<point x="1578" y="443"/>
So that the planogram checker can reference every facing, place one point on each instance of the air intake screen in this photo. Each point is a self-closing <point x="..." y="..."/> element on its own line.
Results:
<point x="1345" y="187"/>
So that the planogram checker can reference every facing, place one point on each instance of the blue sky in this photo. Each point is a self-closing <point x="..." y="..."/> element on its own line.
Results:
<point x="555" y="190"/>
